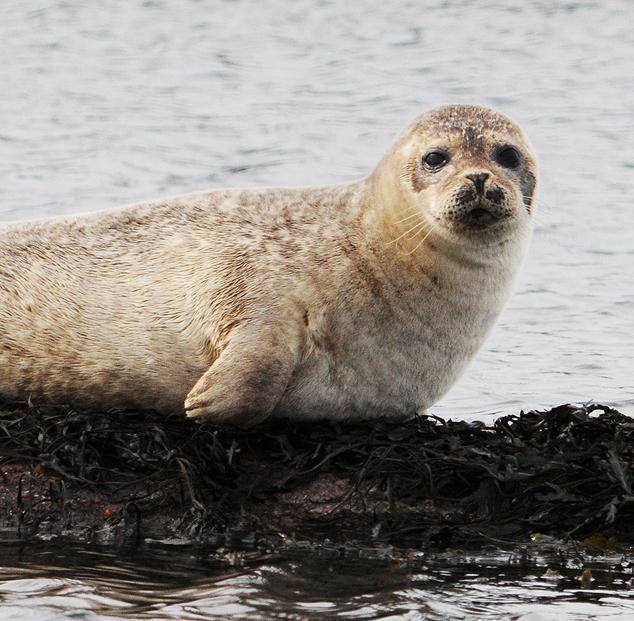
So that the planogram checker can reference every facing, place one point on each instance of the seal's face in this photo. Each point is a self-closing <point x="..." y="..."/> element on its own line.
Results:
<point x="470" y="171"/>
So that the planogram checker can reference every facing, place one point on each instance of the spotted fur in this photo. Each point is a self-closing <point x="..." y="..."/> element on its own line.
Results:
<point x="307" y="302"/>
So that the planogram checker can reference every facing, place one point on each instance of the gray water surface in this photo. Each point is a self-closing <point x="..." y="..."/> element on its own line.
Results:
<point x="122" y="101"/>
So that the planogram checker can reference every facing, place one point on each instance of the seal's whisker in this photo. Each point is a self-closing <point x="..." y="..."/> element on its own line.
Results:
<point x="539" y="203"/>
<point x="538" y="216"/>
<point x="412" y="215"/>
<point x="421" y="229"/>
<point x="422" y="241"/>
<point x="418" y="224"/>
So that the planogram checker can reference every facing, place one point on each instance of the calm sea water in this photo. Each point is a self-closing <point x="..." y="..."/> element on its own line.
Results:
<point x="120" y="101"/>
<point x="48" y="585"/>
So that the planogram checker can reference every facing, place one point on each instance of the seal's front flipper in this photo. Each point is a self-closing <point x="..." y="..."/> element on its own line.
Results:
<point x="249" y="377"/>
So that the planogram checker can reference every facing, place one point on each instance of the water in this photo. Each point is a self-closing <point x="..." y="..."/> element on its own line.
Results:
<point x="38" y="584"/>
<point x="110" y="103"/>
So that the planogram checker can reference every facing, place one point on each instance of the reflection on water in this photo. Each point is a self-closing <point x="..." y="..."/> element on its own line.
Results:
<point x="160" y="582"/>
<point x="120" y="101"/>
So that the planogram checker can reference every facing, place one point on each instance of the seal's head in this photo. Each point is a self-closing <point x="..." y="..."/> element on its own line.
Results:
<point x="468" y="171"/>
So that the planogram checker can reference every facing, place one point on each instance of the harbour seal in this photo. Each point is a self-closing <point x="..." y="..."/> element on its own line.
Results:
<point x="359" y="300"/>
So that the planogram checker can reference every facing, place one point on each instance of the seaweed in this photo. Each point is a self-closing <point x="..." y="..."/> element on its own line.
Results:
<point x="566" y="472"/>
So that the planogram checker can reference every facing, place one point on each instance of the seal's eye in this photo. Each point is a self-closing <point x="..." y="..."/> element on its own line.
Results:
<point x="508" y="157"/>
<point x="435" y="160"/>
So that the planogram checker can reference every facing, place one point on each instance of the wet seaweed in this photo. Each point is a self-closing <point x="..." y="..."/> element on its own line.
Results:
<point x="565" y="472"/>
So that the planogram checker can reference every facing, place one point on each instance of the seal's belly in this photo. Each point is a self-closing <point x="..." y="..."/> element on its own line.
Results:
<point x="386" y="361"/>
<point x="393" y="379"/>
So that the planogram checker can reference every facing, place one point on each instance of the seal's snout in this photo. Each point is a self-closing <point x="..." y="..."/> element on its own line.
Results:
<point x="480" y="202"/>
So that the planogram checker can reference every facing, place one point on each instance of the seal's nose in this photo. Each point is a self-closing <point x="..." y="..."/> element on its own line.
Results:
<point x="478" y="181"/>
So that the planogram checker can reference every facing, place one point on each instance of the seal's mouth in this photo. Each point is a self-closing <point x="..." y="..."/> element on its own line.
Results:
<point x="482" y="215"/>
<point x="475" y="210"/>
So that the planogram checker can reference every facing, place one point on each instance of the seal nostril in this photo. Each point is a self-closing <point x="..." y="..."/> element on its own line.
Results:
<point x="478" y="181"/>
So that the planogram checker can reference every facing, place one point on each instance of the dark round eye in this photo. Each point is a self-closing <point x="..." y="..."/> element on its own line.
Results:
<point x="435" y="160"/>
<point x="509" y="157"/>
